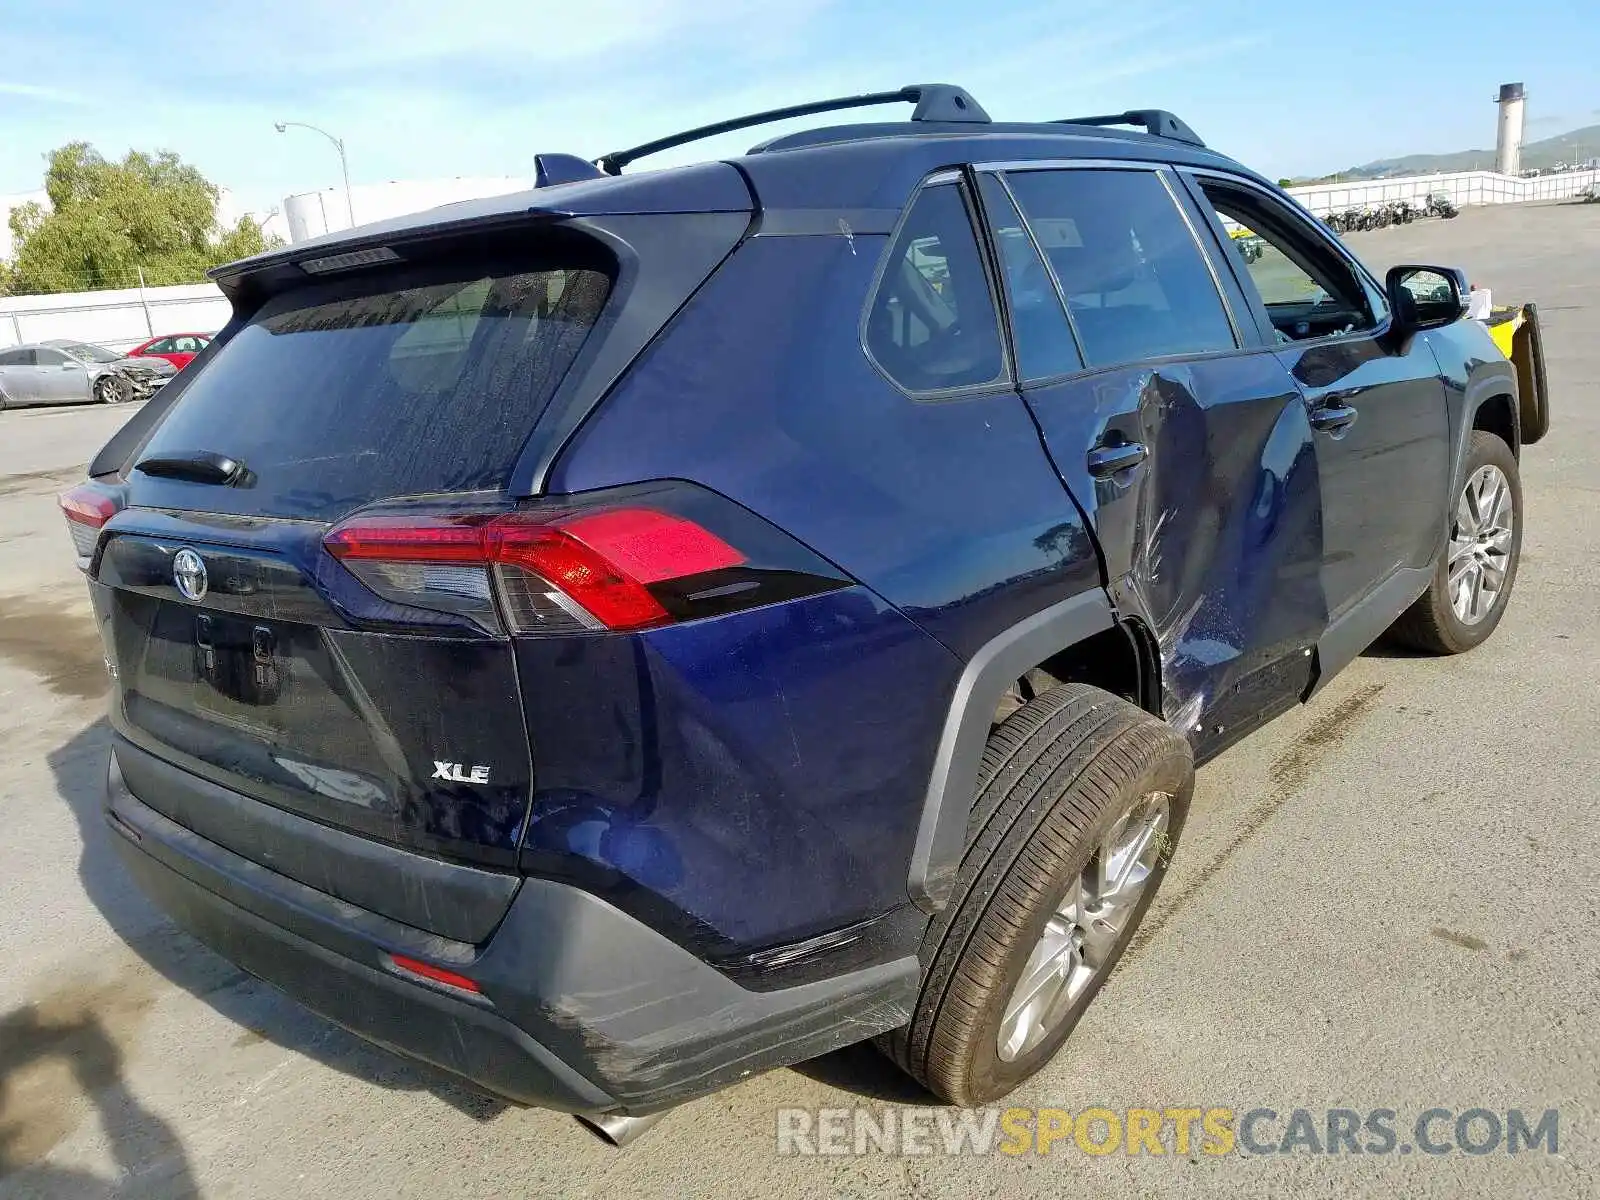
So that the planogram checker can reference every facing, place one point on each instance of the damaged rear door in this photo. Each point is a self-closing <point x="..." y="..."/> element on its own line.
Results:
<point x="1182" y="437"/>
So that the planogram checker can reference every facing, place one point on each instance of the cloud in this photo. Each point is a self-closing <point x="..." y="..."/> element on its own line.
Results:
<point x="479" y="86"/>
<point x="34" y="91"/>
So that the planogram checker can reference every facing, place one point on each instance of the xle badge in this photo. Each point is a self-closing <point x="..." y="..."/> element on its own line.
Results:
<point x="457" y="773"/>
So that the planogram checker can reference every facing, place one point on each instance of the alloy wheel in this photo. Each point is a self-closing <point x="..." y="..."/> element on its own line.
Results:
<point x="1091" y="920"/>
<point x="1480" y="544"/>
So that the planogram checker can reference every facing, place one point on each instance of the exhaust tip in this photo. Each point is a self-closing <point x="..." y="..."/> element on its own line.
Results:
<point x="619" y="1129"/>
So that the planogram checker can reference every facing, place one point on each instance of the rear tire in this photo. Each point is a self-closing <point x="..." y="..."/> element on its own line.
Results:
<point x="1066" y="780"/>
<point x="1440" y="622"/>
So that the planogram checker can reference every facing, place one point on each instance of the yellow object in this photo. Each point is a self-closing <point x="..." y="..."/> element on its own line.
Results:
<point x="1503" y="324"/>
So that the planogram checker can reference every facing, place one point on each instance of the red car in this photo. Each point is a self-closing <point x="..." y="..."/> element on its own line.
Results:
<point x="177" y="348"/>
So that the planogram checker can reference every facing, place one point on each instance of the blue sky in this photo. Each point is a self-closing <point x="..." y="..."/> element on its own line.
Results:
<point x="421" y="89"/>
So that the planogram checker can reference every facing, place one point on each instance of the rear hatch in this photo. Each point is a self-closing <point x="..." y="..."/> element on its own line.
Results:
<point x="245" y="652"/>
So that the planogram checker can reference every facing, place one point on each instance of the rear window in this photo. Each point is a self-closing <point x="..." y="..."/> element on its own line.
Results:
<point x="372" y="384"/>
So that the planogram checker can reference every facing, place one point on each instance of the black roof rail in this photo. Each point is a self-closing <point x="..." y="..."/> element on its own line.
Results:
<point x="1157" y="122"/>
<point x="934" y="102"/>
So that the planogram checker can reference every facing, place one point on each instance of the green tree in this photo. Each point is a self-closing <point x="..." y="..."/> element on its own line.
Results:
<point x="109" y="220"/>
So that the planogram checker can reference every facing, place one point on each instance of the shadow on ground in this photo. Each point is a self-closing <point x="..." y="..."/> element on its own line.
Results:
<point x="54" y="1051"/>
<point x="862" y="1071"/>
<point x="263" y="1013"/>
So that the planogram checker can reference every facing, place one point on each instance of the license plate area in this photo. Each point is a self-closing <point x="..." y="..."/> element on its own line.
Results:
<point x="237" y="666"/>
<point x="236" y="670"/>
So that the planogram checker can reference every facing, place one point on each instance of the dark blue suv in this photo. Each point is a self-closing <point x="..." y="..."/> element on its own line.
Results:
<point x="614" y="639"/>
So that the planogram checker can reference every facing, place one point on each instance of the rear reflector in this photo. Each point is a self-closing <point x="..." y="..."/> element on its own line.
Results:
<point x="423" y="970"/>
<point x="555" y="573"/>
<point x="87" y="508"/>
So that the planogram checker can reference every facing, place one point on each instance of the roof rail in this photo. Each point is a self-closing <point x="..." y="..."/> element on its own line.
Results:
<point x="934" y="102"/>
<point x="1157" y="122"/>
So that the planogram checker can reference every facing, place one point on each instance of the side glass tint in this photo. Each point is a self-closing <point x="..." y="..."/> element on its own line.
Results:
<point x="1136" y="282"/>
<point x="1044" y="342"/>
<point x="1307" y="289"/>
<point x="932" y="325"/>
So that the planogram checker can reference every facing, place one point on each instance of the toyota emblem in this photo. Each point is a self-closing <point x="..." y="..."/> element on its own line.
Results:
<point x="189" y="573"/>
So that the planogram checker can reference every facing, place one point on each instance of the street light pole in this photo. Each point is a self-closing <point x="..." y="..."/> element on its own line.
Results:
<point x="344" y="164"/>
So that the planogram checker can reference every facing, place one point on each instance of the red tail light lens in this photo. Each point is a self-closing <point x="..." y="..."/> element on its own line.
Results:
<point x="87" y="508"/>
<point x="424" y="970"/>
<point x="553" y="574"/>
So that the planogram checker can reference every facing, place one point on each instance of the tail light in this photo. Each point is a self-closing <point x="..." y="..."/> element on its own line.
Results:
<point x="624" y="560"/>
<point x="87" y="508"/>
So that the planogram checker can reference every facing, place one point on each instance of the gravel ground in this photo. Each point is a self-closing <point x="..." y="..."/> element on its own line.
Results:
<point x="1387" y="899"/>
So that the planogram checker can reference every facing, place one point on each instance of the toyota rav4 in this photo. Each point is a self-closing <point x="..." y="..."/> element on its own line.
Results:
<point x="613" y="639"/>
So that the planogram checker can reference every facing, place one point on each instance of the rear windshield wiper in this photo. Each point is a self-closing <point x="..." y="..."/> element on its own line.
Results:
<point x="197" y="466"/>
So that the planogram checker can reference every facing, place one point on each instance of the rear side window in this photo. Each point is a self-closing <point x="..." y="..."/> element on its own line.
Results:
<point x="1039" y="329"/>
<point x="428" y="378"/>
<point x="1136" y="282"/>
<point x="931" y="325"/>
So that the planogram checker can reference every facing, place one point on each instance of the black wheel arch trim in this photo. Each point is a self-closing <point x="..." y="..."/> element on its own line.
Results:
<point x="952" y="787"/>
<point x="1487" y="381"/>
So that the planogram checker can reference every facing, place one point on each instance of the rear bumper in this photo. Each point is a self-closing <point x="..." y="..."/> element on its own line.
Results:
<point x="583" y="1008"/>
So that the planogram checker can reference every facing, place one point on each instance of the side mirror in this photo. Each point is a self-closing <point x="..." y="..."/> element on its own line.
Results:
<point x="1426" y="297"/>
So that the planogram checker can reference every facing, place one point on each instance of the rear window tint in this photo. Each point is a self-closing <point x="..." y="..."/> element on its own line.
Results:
<point x="1039" y="329"/>
<point x="425" y="379"/>
<point x="1137" y="285"/>
<point x="932" y="323"/>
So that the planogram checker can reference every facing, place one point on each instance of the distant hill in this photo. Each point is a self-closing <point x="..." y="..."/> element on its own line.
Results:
<point x="1579" y="146"/>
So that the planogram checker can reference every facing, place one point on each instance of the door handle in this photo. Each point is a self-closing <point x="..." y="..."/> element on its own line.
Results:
<point x="1106" y="461"/>
<point x="1333" y="418"/>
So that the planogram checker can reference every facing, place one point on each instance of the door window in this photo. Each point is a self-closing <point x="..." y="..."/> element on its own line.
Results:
<point x="50" y="358"/>
<point x="1136" y="283"/>
<point x="1044" y="342"/>
<point x="16" y="358"/>
<point x="931" y="325"/>
<point x="1307" y="288"/>
<point x="164" y="346"/>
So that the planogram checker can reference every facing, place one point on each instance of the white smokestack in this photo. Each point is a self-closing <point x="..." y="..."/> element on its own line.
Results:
<point x="1508" y="141"/>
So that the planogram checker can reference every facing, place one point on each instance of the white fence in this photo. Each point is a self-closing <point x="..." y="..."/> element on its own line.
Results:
<point x="1462" y="187"/>
<point x="118" y="319"/>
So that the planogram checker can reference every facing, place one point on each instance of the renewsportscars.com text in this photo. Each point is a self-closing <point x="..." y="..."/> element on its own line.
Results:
<point x="1181" y="1132"/>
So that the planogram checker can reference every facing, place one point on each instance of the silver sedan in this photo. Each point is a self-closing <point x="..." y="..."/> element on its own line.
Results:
<point x="68" y="372"/>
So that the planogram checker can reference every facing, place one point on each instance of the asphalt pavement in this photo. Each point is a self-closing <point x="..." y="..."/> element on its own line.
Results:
<point x="1388" y="899"/>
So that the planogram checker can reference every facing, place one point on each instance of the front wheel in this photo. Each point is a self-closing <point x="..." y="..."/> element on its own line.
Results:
<point x="1081" y="798"/>
<point x="112" y="389"/>
<point x="1472" y="582"/>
